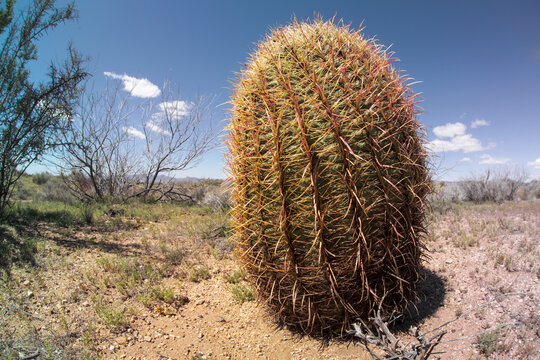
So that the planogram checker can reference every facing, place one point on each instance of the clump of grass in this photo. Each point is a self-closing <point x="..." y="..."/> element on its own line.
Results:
<point x="487" y="343"/>
<point x="28" y="249"/>
<point x="197" y="274"/>
<point x="17" y="248"/>
<point x="465" y="241"/>
<point x="499" y="260"/>
<point x="62" y="214"/>
<point x="132" y="276"/>
<point x="242" y="293"/>
<point x="163" y="293"/>
<point x="204" y="225"/>
<point x="173" y="255"/>
<point x="88" y="213"/>
<point x="235" y="277"/>
<point x="156" y="294"/>
<point x="508" y="263"/>
<point x="150" y="211"/>
<point x="112" y="316"/>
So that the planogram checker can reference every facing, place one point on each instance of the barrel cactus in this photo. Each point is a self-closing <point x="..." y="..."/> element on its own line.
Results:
<point x="328" y="174"/>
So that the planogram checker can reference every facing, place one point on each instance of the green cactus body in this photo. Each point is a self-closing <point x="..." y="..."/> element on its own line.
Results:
<point x="328" y="175"/>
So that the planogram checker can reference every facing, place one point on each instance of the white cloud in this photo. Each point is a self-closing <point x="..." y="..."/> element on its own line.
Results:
<point x="460" y="140"/>
<point x="174" y="109"/>
<point x="535" y="163"/>
<point x="466" y="159"/>
<point x="142" y="88"/>
<point x="450" y="130"/>
<point x="465" y="143"/>
<point x="130" y="130"/>
<point x="479" y="122"/>
<point x="156" y="128"/>
<point x="488" y="159"/>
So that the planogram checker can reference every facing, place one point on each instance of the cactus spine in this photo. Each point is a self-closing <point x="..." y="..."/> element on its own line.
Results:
<point x="328" y="174"/>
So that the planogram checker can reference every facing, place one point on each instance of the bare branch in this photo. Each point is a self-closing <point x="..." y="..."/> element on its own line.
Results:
<point x="126" y="151"/>
<point x="379" y="335"/>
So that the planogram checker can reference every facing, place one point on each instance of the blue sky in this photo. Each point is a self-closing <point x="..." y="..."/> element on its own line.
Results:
<point x="478" y="62"/>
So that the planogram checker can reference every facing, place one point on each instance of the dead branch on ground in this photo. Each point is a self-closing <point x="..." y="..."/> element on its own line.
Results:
<point x="377" y="335"/>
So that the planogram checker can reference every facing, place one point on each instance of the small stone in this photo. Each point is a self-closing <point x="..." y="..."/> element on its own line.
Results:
<point x="147" y="339"/>
<point x="30" y="294"/>
<point x="26" y="282"/>
<point x="201" y="335"/>
<point x="85" y="303"/>
<point x="111" y="348"/>
<point x="122" y="340"/>
<point x="199" y="302"/>
<point x="220" y="319"/>
<point x="449" y="261"/>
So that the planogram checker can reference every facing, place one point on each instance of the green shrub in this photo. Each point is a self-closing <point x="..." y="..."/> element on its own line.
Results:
<point x="41" y="178"/>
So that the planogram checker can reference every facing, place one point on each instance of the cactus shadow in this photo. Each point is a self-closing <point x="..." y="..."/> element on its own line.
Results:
<point x="431" y="295"/>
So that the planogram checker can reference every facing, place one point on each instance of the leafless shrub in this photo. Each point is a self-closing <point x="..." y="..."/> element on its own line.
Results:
<point x="376" y="336"/>
<point x="208" y="192"/>
<point x="115" y="151"/>
<point x="446" y="192"/>
<point x="494" y="186"/>
<point x="217" y="198"/>
<point x="529" y="191"/>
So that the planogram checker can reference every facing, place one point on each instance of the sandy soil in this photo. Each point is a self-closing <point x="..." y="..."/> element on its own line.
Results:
<point x="477" y="253"/>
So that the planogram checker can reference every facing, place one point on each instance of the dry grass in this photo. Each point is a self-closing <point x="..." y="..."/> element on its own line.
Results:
<point x="42" y="272"/>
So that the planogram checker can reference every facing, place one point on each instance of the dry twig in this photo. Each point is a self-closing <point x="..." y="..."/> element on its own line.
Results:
<point x="378" y="335"/>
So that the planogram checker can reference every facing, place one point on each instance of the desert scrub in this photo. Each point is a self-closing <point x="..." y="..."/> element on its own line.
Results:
<point x="328" y="172"/>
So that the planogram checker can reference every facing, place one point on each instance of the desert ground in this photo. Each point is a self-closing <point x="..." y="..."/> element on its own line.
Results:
<point x="162" y="282"/>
